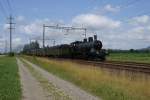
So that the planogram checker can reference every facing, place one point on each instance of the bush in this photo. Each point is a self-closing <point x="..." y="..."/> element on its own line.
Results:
<point x="11" y="54"/>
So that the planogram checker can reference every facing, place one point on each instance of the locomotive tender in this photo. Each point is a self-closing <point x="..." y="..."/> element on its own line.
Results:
<point x="90" y="49"/>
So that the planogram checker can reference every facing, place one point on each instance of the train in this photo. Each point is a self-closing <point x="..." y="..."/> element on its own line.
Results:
<point x="89" y="49"/>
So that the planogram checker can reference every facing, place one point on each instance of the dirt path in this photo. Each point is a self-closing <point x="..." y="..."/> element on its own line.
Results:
<point x="2" y="55"/>
<point x="64" y="87"/>
<point x="70" y="89"/>
<point x="31" y="88"/>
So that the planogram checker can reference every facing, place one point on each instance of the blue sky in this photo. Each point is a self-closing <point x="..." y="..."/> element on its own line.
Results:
<point x="120" y="24"/>
<point x="66" y="9"/>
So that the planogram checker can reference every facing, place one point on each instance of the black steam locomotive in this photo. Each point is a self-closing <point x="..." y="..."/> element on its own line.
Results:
<point x="90" y="49"/>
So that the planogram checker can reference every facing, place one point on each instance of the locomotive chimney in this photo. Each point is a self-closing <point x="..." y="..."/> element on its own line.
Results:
<point x="90" y="39"/>
<point x="85" y="40"/>
<point x="95" y="37"/>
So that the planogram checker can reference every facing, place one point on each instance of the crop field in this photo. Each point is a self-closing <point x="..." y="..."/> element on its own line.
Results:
<point x="130" y="57"/>
<point x="10" y="88"/>
<point x="99" y="82"/>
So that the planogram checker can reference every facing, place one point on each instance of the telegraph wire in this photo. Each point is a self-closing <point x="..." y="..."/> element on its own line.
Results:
<point x="6" y="8"/>
<point x="9" y="6"/>
<point x="5" y="15"/>
<point x="3" y="9"/>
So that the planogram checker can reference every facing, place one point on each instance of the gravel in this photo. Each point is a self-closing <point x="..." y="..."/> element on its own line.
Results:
<point x="68" y="89"/>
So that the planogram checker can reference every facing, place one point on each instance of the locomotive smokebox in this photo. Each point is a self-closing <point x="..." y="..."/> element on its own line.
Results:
<point x="90" y="39"/>
<point x="95" y="37"/>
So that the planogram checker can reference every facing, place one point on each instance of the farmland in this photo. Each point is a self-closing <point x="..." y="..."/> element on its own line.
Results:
<point x="108" y="86"/>
<point x="130" y="57"/>
<point x="10" y="88"/>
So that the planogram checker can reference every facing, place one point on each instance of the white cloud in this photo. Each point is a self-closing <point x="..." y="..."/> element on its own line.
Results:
<point x="32" y="28"/>
<point x="5" y="26"/>
<point x="144" y="19"/>
<point x="20" y="18"/>
<point x="113" y="33"/>
<point x="137" y="30"/>
<point x="148" y="27"/>
<point x="17" y="40"/>
<point x="108" y="8"/>
<point x="111" y="8"/>
<point x="93" y="21"/>
<point x="18" y="44"/>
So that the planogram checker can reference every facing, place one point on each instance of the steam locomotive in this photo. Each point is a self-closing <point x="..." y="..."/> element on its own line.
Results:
<point x="90" y="49"/>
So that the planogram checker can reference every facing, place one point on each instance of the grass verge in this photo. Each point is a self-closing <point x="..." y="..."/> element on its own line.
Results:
<point x="130" y="57"/>
<point x="10" y="88"/>
<point x="98" y="82"/>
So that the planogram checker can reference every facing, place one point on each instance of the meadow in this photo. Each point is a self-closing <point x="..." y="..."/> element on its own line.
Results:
<point x="130" y="57"/>
<point x="10" y="88"/>
<point x="99" y="82"/>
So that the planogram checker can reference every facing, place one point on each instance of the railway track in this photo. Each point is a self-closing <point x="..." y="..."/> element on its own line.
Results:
<point x="129" y="66"/>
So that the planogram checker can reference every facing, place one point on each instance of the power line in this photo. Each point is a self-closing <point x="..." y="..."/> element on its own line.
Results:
<point x="3" y="9"/>
<point x="9" y="5"/>
<point x="6" y="9"/>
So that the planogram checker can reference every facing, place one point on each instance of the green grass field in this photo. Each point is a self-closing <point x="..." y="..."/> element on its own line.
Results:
<point x="97" y="81"/>
<point x="10" y="88"/>
<point x="130" y="57"/>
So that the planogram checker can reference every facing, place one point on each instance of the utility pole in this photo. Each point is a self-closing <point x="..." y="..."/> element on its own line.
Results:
<point x="43" y="35"/>
<point x="85" y="32"/>
<point x="10" y="30"/>
<point x="30" y="40"/>
<point x="54" y="42"/>
<point x="5" y="46"/>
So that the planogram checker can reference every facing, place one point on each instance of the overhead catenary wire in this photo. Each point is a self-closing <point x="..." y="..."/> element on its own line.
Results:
<point x="63" y="28"/>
